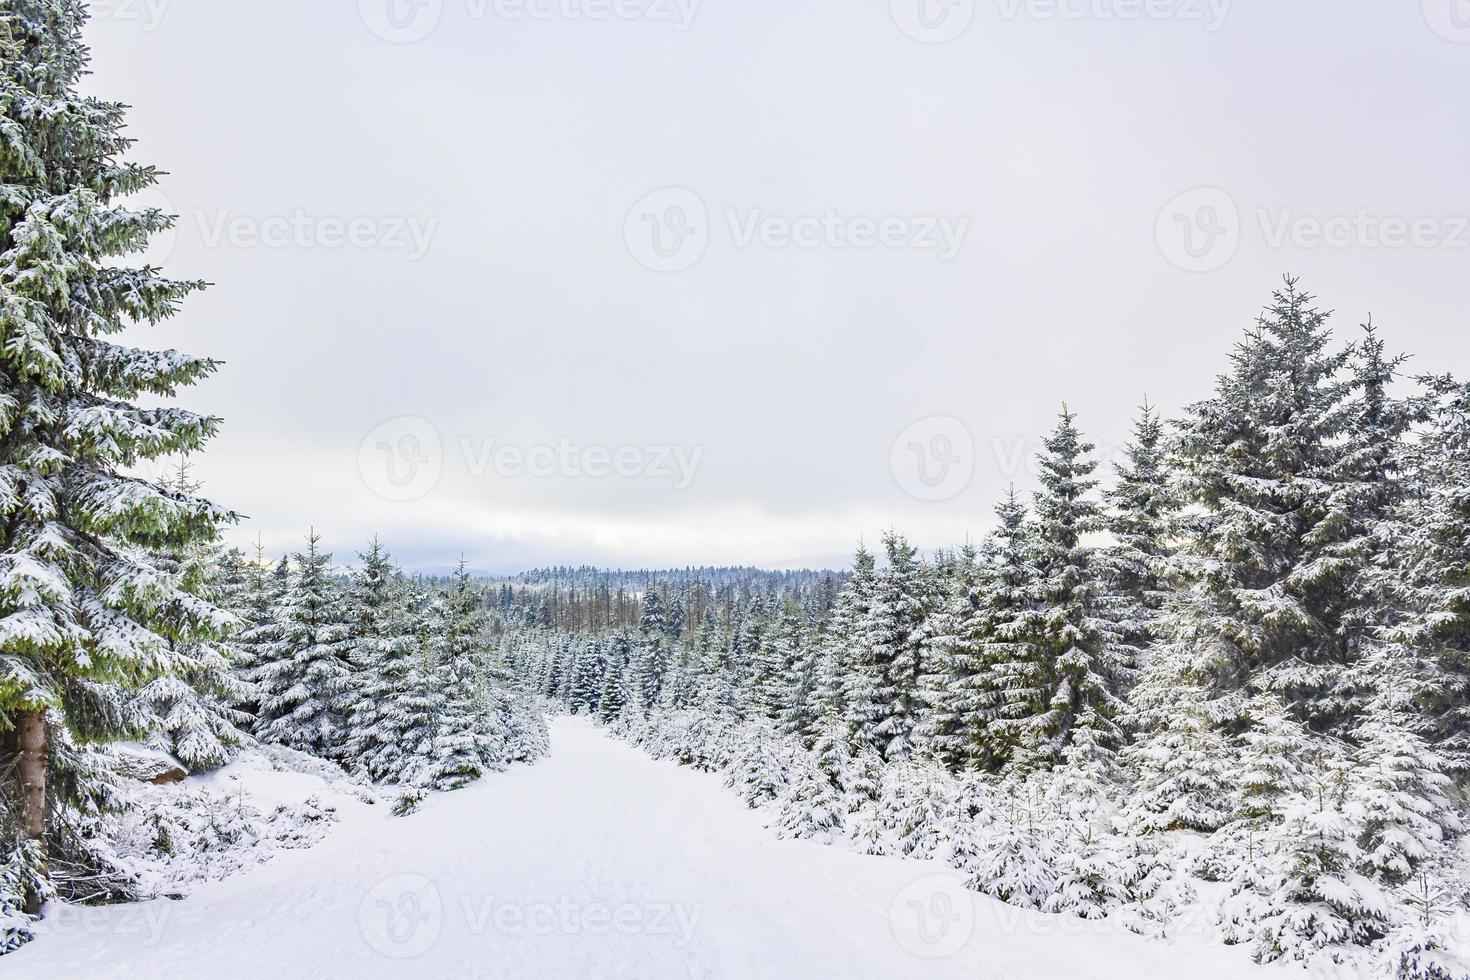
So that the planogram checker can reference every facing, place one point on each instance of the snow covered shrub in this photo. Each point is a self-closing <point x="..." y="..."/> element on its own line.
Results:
<point x="685" y="737"/>
<point x="695" y="737"/>
<point x="973" y="808"/>
<point x="1419" y="952"/>
<point x="662" y="733"/>
<point x="1091" y="878"/>
<point x="527" y="737"/>
<point x="170" y="836"/>
<point x="719" y="737"/>
<point x="1309" y="899"/>
<point x="196" y="722"/>
<point x="19" y="871"/>
<point x="861" y="780"/>
<point x="1425" y="944"/>
<point x="1399" y="784"/>
<point x="895" y="789"/>
<point x="832" y="748"/>
<point x="1159" y="892"/>
<point x="1178" y="771"/>
<point x="630" y="725"/>
<point x="408" y="801"/>
<point x="757" y="770"/>
<point x="90" y="791"/>
<point x="869" y="832"/>
<point x="923" y="809"/>
<point x="809" y="805"/>
<point x="1014" y="861"/>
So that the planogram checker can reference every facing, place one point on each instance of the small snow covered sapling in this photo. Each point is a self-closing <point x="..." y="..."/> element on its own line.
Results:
<point x="408" y="801"/>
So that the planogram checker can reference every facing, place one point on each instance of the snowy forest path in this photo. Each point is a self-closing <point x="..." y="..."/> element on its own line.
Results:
<point x="596" y="862"/>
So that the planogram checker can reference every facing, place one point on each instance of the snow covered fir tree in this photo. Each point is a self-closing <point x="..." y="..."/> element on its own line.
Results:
<point x="92" y="602"/>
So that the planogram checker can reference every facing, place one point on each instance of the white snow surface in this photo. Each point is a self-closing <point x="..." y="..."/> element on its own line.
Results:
<point x="596" y="862"/>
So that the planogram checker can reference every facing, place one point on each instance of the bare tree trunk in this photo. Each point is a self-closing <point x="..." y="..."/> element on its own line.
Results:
<point x="30" y="737"/>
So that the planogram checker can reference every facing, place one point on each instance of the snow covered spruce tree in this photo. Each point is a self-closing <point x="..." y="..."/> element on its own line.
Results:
<point x="797" y="642"/>
<point x="1012" y="682"/>
<point x="303" y="675"/>
<point x="85" y="612"/>
<point x="842" y="687"/>
<point x="652" y="657"/>
<point x="770" y="694"/>
<point x="614" y="697"/>
<point x="470" y="734"/>
<point x="1142" y="510"/>
<point x="1371" y="484"/>
<point x="1262" y="602"/>
<point x="591" y="673"/>
<point x="1179" y="763"/>
<point x="192" y="713"/>
<point x="391" y="716"/>
<point x="1088" y="663"/>
<point x="1426" y="654"/>
<point x="894" y="655"/>
<point x="954" y="682"/>
<point x="253" y="593"/>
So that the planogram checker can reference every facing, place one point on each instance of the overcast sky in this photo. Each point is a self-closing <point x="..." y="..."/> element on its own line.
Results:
<point x="658" y="282"/>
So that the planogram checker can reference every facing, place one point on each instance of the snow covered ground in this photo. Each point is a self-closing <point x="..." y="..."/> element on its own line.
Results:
<point x="597" y="862"/>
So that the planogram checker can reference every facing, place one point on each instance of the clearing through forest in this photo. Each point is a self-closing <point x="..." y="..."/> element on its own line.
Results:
<point x="597" y="861"/>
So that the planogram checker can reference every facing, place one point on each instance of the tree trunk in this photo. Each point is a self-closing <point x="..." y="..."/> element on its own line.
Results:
<point x="30" y="737"/>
